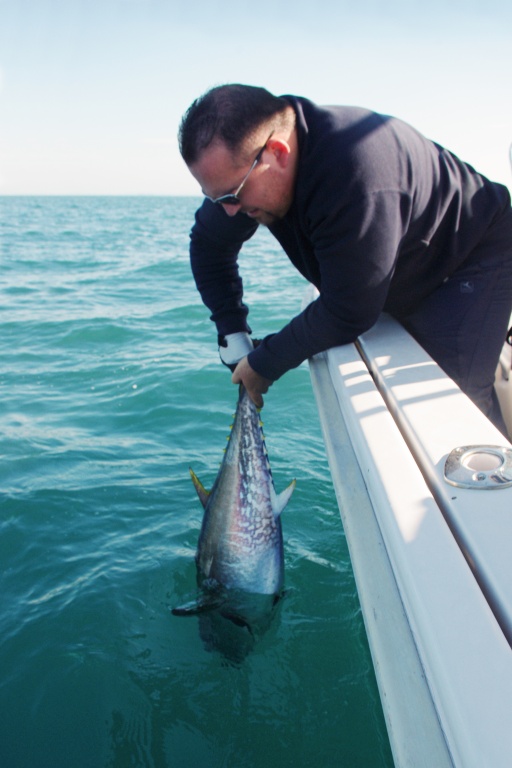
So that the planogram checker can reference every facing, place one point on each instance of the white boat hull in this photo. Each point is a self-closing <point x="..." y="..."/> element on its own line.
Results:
<point x="431" y="561"/>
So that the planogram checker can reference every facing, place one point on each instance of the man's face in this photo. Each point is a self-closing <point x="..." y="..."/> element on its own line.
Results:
<point x="267" y="190"/>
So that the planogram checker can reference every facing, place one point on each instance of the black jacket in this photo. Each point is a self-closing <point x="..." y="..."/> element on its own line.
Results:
<point x="380" y="217"/>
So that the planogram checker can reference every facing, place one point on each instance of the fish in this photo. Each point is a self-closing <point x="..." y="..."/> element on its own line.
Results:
<point x="240" y="552"/>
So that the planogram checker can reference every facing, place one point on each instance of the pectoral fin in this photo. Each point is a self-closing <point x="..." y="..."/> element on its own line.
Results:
<point x="201" y="490"/>
<point x="207" y="602"/>
<point x="280" y="502"/>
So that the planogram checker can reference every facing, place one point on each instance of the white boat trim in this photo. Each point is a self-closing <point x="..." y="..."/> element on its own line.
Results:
<point x="415" y="733"/>
<point x="434" y="417"/>
<point x="437" y="634"/>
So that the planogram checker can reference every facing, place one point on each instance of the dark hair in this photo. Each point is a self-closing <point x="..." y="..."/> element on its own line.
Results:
<point x="227" y="112"/>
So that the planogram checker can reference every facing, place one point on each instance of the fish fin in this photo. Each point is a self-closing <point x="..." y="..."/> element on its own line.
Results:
<point x="201" y="605"/>
<point x="203" y="494"/>
<point x="237" y="620"/>
<point x="280" y="502"/>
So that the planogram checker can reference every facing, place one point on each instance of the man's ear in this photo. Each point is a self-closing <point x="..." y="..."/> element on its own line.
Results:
<point x="280" y="149"/>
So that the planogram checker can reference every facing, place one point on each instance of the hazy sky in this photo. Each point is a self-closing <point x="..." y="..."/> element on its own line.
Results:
<point x="92" y="91"/>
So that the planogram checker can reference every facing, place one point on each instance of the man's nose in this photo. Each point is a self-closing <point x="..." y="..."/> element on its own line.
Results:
<point x="230" y="209"/>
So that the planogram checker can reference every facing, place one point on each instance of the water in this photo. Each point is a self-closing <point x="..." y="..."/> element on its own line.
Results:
<point x="110" y="388"/>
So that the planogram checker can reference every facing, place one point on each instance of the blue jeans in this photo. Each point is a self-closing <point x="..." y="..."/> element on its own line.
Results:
<point x="463" y="324"/>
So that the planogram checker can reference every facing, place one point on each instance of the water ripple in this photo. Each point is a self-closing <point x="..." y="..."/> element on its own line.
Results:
<point x="110" y="388"/>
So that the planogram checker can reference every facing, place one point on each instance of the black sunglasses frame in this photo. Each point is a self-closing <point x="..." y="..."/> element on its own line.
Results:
<point x="233" y="198"/>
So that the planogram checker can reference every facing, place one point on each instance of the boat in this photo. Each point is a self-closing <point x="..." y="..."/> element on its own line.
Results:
<point x="424" y="486"/>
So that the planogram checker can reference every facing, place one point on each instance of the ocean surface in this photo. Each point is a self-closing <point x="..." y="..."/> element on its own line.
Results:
<point x="110" y="389"/>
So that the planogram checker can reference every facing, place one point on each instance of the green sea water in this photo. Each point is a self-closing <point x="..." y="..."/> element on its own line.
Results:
<point x="110" y="388"/>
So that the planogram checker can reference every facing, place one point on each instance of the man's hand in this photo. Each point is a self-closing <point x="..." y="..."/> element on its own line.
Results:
<point x="255" y="384"/>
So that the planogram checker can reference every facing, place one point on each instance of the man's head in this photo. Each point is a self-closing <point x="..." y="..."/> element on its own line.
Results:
<point x="239" y="143"/>
<point x="229" y="114"/>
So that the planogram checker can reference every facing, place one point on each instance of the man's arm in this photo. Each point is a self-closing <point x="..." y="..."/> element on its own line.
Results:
<point x="356" y="251"/>
<point x="215" y="241"/>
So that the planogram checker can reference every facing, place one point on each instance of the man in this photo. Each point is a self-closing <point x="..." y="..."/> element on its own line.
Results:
<point x="368" y="210"/>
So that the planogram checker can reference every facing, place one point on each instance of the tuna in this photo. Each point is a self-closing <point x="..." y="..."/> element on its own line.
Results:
<point x="240" y="560"/>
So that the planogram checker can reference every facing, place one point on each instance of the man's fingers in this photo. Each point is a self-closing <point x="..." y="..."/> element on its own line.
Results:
<point x="255" y="384"/>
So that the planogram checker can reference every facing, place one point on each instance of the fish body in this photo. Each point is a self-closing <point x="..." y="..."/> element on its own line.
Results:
<point x="241" y="542"/>
<point x="240" y="547"/>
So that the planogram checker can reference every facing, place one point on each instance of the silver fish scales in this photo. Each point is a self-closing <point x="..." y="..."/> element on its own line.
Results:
<point x="241" y="543"/>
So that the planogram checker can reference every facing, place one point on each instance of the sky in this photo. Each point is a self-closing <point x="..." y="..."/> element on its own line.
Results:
<point x="92" y="91"/>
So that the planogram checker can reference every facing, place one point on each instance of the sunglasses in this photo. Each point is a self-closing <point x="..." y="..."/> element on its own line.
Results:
<point x="234" y="197"/>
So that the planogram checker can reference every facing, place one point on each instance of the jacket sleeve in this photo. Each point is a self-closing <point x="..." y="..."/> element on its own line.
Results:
<point x="356" y="248"/>
<point x="215" y="242"/>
